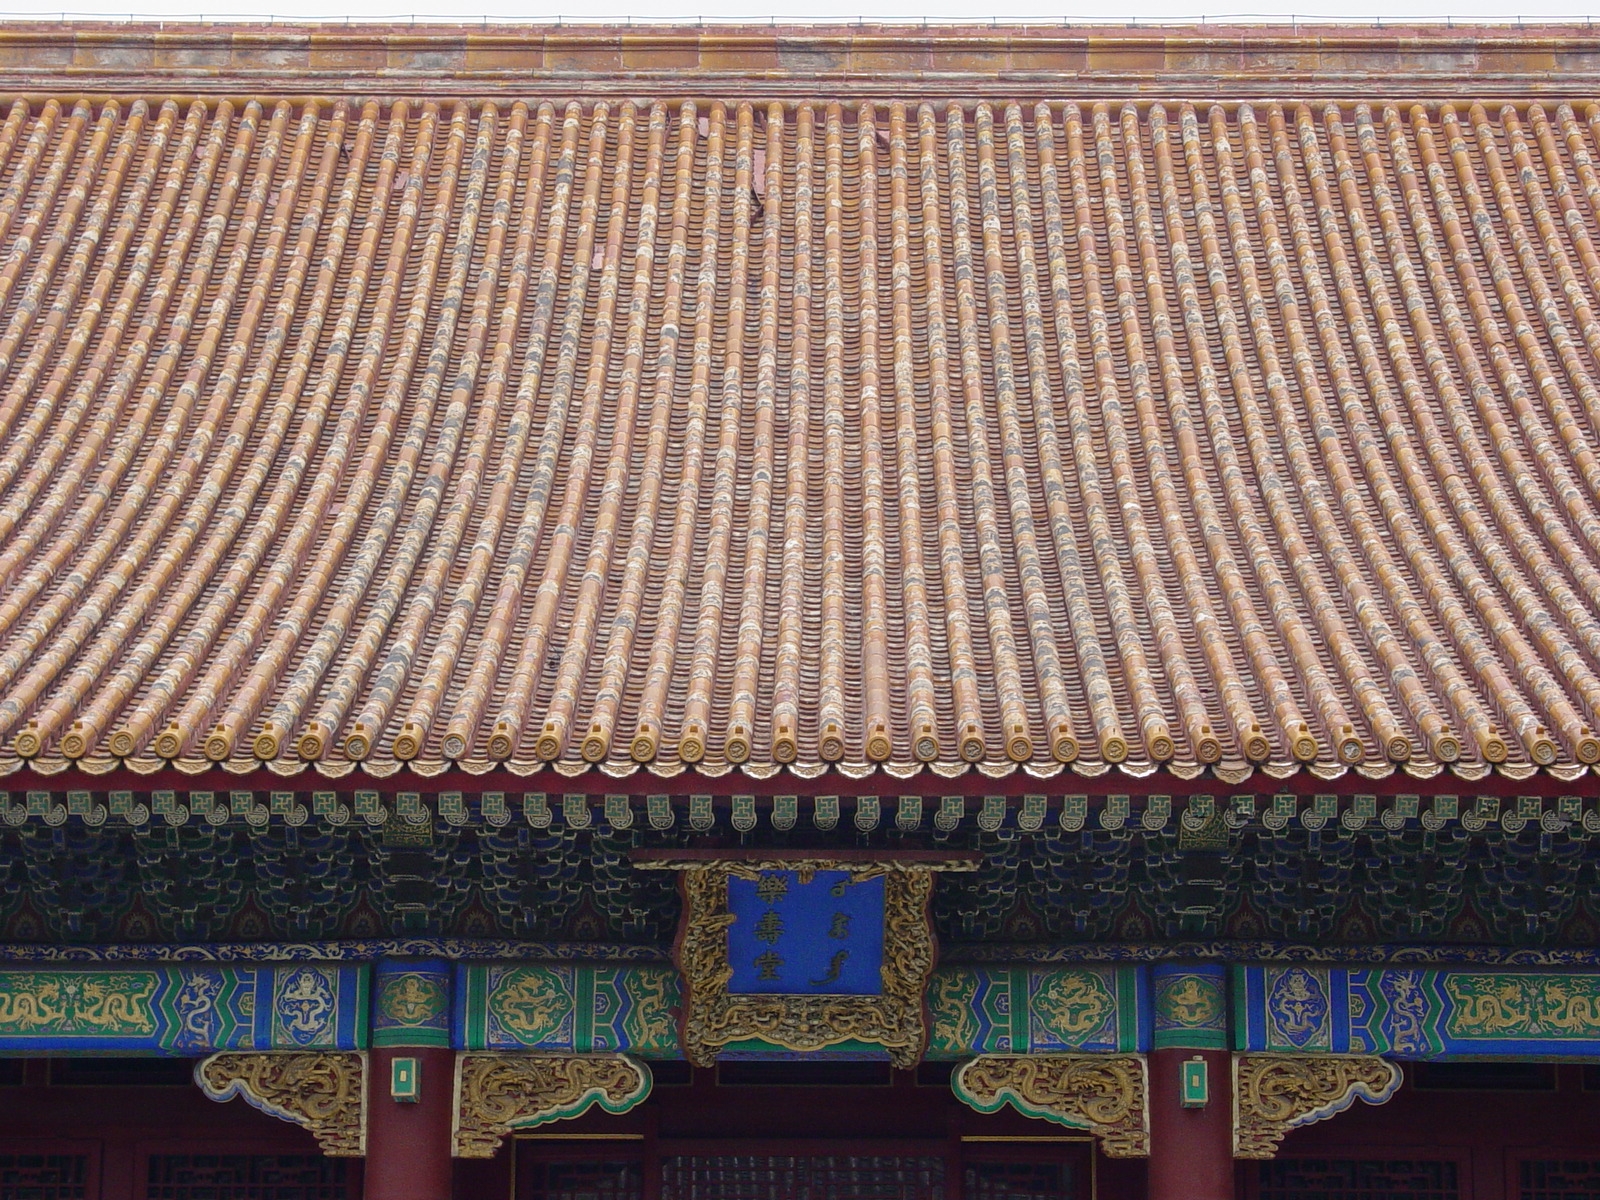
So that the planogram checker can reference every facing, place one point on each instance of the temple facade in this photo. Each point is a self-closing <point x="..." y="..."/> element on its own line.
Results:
<point x="846" y="613"/>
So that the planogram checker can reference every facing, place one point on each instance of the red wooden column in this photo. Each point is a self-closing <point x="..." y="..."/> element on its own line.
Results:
<point x="409" y="1118"/>
<point x="1191" y="1146"/>
<point x="1191" y="1149"/>
<point x="408" y="1143"/>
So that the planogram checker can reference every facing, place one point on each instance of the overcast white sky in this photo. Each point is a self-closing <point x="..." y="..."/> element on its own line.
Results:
<point x="806" y="10"/>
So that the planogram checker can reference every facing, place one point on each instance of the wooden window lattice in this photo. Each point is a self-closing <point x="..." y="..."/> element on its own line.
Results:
<point x="246" y="1177"/>
<point x="1560" y="1179"/>
<point x="584" y="1181"/>
<point x="809" y="1177"/>
<point x="1358" y="1179"/>
<point x="1018" y="1181"/>
<point x="44" y="1177"/>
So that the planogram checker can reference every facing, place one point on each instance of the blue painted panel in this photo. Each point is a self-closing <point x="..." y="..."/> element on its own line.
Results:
<point x="814" y="938"/>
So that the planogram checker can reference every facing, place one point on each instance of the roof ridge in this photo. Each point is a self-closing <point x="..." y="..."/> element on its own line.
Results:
<point x="1046" y="60"/>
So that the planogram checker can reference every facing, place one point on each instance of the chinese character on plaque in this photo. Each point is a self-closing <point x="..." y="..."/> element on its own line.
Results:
<point x="822" y="937"/>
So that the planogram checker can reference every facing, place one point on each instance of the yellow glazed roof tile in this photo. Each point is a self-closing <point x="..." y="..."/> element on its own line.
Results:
<point x="786" y="431"/>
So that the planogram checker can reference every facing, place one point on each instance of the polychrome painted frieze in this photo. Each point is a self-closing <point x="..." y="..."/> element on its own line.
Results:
<point x="1417" y="1013"/>
<point x="1397" y="1011"/>
<point x="1083" y="1010"/>
<point x="566" y="1007"/>
<point x="411" y="1002"/>
<point x="184" y="1009"/>
<point x="1190" y="1007"/>
<point x="582" y="1009"/>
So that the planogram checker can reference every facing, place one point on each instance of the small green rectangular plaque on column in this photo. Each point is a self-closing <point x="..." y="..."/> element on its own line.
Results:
<point x="1196" y="1089"/>
<point x="405" y="1080"/>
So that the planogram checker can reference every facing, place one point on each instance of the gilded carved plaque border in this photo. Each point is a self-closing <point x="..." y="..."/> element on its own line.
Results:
<point x="712" y="1018"/>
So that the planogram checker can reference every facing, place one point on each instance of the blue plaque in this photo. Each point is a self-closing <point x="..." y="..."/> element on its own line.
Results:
<point x="821" y="937"/>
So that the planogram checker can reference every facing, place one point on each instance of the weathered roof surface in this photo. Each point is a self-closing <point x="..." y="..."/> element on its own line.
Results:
<point x="798" y="431"/>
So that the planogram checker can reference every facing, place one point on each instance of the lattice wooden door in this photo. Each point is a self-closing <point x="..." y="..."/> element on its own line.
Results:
<point x="803" y="1177"/>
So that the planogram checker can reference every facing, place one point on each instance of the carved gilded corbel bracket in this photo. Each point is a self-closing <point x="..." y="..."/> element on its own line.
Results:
<point x="1103" y="1094"/>
<point x="1274" y="1093"/>
<point x="324" y="1092"/>
<point x="499" y="1093"/>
